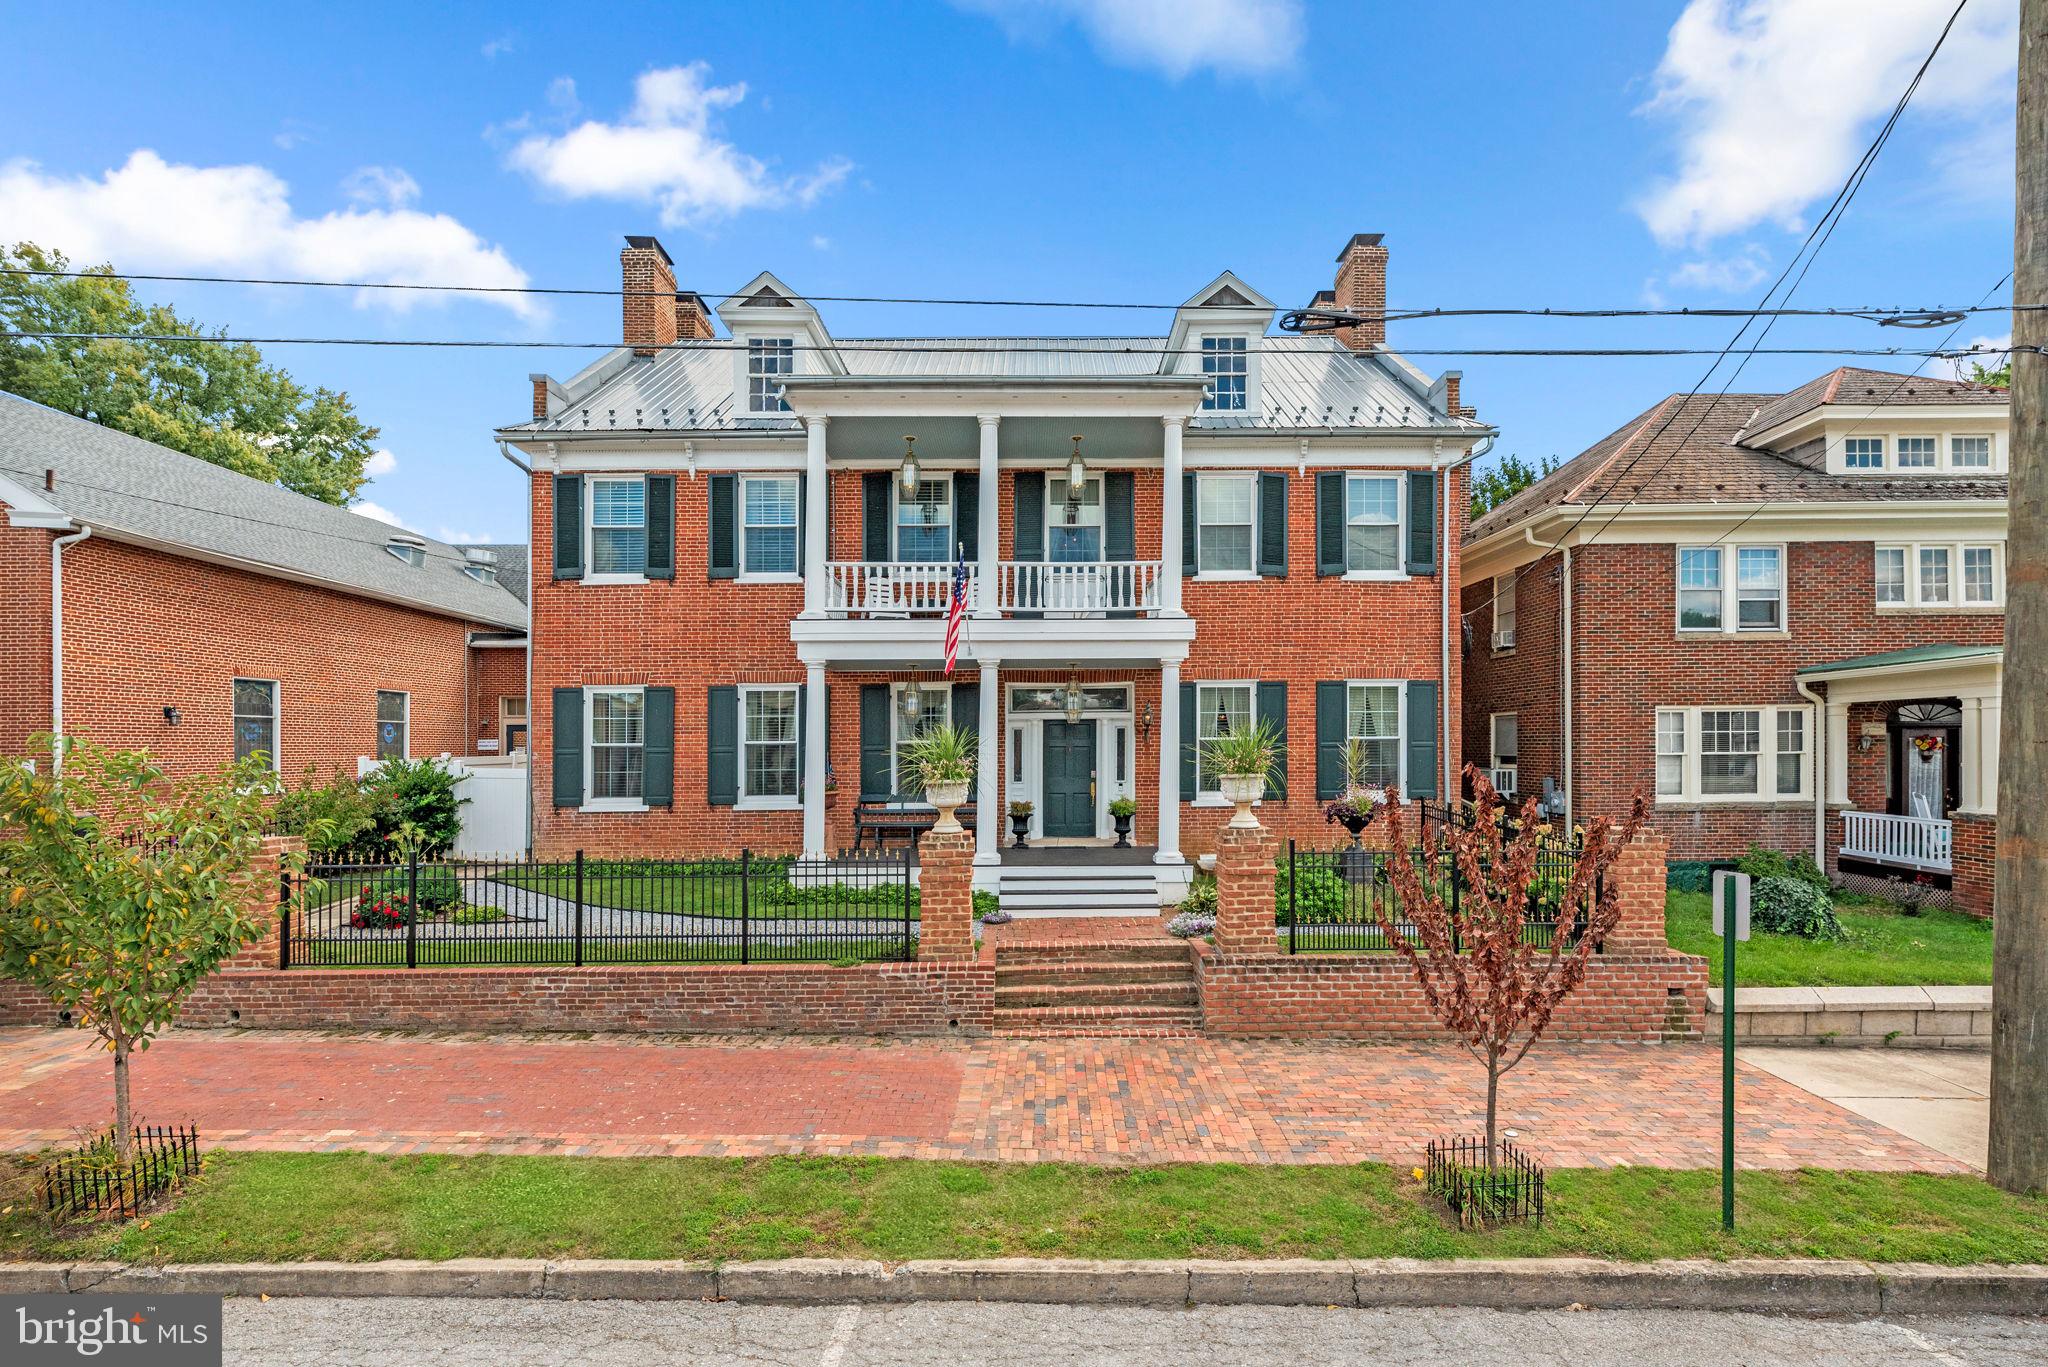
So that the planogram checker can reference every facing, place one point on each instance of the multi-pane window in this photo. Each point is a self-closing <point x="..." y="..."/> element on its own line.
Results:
<point x="1969" y="453"/>
<point x="1730" y="741"/>
<point x="1373" y="727"/>
<point x="1863" y="453"/>
<point x="917" y="708"/>
<point x="391" y="723"/>
<point x="618" y="526"/>
<point x="1220" y="710"/>
<point x="1372" y="526"/>
<point x="1791" y="752"/>
<point x="1504" y="611"/>
<point x="1706" y="754"/>
<point x="1923" y="576"/>
<point x="1670" y="753"/>
<point x="1223" y="523"/>
<point x="768" y="743"/>
<point x="1225" y="365"/>
<point x="1699" y="588"/>
<point x="1918" y="453"/>
<point x="1934" y="576"/>
<point x="1759" y="588"/>
<point x="1752" y="599"/>
<point x="1506" y="733"/>
<point x="768" y="510"/>
<point x="1891" y="574"/>
<point x="255" y="719"/>
<point x="768" y="360"/>
<point x="924" y="522"/>
<point x="1979" y="585"/>
<point x="618" y="740"/>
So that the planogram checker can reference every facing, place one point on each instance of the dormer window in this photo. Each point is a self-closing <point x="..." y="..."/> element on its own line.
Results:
<point x="480" y="565"/>
<point x="411" y="549"/>
<point x="768" y="360"/>
<point x="1863" y="453"/>
<point x="1226" y="367"/>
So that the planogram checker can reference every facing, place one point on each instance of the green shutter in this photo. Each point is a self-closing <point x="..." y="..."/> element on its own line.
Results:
<point x="874" y="743"/>
<point x="1272" y="524"/>
<point x="658" y="754"/>
<point x="1188" y="732"/>
<point x="1272" y="707"/>
<point x="722" y="530"/>
<point x="1333" y="728"/>
<point x="967" y="707"/>
<point x="803" y="730"/>
<point x="569" y="528"/>
<point x="1330" y="518"/>
<point x="803" y="517"/>
<point x="967" y="514"/>
<point x="661" y="526"/>
<point x="568" y="747"/>
<point x="874" y="515"/>
<point x="1422" y="517"/>
<point x="1030" y="490"/>
<point x="1188" y="524"/>
<point x="1119" y="515"/>
<point x="722" y="745"/>
<point x="1421" y="727"/>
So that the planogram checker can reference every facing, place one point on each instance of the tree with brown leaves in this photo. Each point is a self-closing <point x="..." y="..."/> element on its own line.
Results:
<point x="1493" y="989"/>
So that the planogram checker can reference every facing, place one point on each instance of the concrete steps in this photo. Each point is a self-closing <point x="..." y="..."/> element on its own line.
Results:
<point x="1126" y="988"/>
<point x="1056" y="890"/>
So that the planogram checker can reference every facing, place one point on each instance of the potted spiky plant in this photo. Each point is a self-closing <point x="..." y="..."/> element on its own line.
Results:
<point x="941" y="766"/>
<point x="1243" y="759"/>
<point x="1020" y="823"/>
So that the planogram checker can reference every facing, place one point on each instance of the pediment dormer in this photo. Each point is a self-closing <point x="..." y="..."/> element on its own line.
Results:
<point x="1217" y="332"/>
<point x="765" y="308"/>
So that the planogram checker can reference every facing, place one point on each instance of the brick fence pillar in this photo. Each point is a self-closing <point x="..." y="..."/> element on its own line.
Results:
<point x="1244" y="891"/>
<point x="945" y="890"/>
<point x="262" y="897"/>
<point x="1638" y="877"/>
<point x="1972" y="858"/>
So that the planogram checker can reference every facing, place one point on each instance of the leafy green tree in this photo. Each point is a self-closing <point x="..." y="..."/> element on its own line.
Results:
<point x="215" y="400"/>
<point x="1984" y="374"/>
<point x="1495" y="486"/>
<point x="415" y="800"/>
<point x="121" y="887"/>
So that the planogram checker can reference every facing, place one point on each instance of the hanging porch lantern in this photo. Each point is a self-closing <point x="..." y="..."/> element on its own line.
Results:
<point x="1076" y="472"/>
<point x="908" y="475"/>
<point x="1073" y="698"/>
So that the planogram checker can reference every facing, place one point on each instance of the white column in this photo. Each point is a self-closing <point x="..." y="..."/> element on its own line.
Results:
<point x="989" y="529"/>
<point x="988" y="764"/>
<point x="1169" y="757"/>
<point x="1169" y="536"/>
<point x="814" y="762"/>
<point x="815" y="525"/>
<point x="1987" y="750"/>
<point x="1971" y="796"/>
<point x="1838" y="753"/>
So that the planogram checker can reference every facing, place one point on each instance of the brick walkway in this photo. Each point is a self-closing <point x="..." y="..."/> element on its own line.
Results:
<point x="1084" y="1100"/>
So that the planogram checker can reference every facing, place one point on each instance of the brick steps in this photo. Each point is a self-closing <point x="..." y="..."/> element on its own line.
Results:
<point x="1167" y="993"/>
<point x="1085" y="971"/>
<point x="1031" y="1021"/>
<point x="1091" y="952"/>
<point x="1124" y="988"/>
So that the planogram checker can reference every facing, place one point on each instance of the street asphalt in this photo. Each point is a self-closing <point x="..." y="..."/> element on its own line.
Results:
<point x="290" y="1332"/>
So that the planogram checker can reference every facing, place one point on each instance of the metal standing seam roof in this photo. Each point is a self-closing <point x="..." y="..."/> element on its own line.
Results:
<point x="1916" y="655"/>
<point x="1305" y="382"/>
<point x="117" y="482"/>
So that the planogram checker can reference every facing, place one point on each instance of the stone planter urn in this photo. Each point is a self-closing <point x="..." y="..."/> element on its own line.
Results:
<point x="947" y="797"/>
<point x="1020" y="829"/>
<point x="1244" y="790"/>
<point x="1123" y="829"/>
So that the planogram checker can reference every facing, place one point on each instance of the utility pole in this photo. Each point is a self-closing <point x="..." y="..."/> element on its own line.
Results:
<point x="2019" y="974"/>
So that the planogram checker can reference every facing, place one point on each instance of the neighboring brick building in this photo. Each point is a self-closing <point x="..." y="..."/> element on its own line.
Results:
<point x="206" y="614"/>
<point x="1780" y="616"/>
<point x="739" y="597"/>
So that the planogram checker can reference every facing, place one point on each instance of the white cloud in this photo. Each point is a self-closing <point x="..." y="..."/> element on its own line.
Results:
<point x="1177" y="37"/>
<point x="1997" y="350"/>
<point x="669" y="151"/>
<point x="1774" y="101"/>
<point x="388" y="187"/>
<point x="150" y="214"/>
<point x="1722" y="275"/>
<point x="500" y="45"/>
<point x="820" y="243"/>
<point x="456" y="536"/>
<point x="379" y="464"/>
<point x="378" y="511"/>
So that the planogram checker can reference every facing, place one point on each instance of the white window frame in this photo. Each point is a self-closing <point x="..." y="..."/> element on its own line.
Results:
<point x="792" y="574"/>
<point x="1691" y="793"/>
<point x="770" y="802"/>
<point x="611" y="804"/>
<point x="1944" y="464"/>
<point x="1493" y="721"/>
<point x="764" y="392"/>
<point x="896" y="737"/>
<point x="1399" y="570"/>
<point x="1504" y="608"/>
<point x="1990" y="450"/>
<point x="1400" y="736"/>
<point x="591" y="574"/>
<point x="1905" y="555"/>
<point x="1219" y="346"/>
<point x="1899" y="451"/>
<point x="1251" y="688"/>
<point x="1957" y="601"/>
<point x="1730" y="590"/>
<point x="405" y="721"/>
<point x="1884" y="453"/>
<point x="276" y="718"/>
<point x="1250" y="480"/>
<point x="896" y="519"/>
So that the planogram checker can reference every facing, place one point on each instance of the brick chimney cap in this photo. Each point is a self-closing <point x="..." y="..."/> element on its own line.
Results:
<point x="691" y="297"/>
<point x="1361" y="240"/>
<point x="650" y="243"/>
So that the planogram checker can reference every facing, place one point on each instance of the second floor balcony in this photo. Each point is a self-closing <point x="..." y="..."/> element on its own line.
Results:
<point x="896" y="590"/>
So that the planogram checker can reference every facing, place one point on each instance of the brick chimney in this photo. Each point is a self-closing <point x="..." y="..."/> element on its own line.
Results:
<point x="1362" y="288"/>
<point x="693" y="320"/>
<point x="648" y="277"/>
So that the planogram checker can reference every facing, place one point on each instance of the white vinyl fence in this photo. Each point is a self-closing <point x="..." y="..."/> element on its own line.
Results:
<point x="494" y="815"/>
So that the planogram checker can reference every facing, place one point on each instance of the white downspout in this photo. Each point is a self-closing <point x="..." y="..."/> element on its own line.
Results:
<point x="1820" y="769"/>
<point x="57" y="642"/>
<point x="506" y="451"/>
<point x="1565" y="589"/>
<point x="1450" y="784"/>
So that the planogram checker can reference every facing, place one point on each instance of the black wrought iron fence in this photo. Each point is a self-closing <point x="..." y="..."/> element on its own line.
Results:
<point x="1482" y="1193"/>
<point x="93" y="1177"/>
<point x="430" y="913"/>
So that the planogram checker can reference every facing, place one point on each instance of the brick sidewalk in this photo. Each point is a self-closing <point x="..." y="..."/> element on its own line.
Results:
<point x="1084" y="1100"/>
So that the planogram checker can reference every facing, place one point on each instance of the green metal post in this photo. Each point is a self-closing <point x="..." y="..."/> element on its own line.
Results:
<point x="1728" y="1055"/>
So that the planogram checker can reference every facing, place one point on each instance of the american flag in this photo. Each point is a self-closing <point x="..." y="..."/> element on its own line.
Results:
<point x="956" y="609"/>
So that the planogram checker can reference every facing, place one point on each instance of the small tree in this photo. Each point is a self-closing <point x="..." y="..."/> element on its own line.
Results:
<point x="121" y="887"/>
<point x="1494" y="991"/>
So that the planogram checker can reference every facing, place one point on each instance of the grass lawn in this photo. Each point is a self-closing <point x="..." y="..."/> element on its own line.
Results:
<point x="511" y="948"/>
<point x="711" y="894"/>
<point x="1884" y="948"/>
<point x="248" y="1206"/>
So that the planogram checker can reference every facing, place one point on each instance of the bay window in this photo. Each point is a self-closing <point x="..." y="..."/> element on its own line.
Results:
<point x="1724" y="754"/>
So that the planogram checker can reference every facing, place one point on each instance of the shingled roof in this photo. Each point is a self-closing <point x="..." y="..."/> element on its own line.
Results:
<point x="1872" y="389"/>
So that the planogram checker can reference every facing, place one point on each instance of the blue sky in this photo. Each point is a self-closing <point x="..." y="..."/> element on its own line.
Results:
<point x="1572" y="154"/>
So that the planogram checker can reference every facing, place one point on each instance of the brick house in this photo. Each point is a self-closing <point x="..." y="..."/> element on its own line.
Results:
<point x="746" y="544"/>
<point x="1781" y="614"/>
<point x="151" y="600"/>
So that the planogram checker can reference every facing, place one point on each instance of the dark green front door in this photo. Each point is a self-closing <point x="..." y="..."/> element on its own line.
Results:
<point x="1069" y="778"/>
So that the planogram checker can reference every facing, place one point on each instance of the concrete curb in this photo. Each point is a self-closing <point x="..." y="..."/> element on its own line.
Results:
<point x="1789" y="1286"/>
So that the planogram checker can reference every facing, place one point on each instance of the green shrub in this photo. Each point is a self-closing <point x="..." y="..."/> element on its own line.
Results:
<point x="1320" y="896"/>
<point x="1793" y="906"/>
<point x="1201" y="899"/>
<point x="985" y="902"/>
<point x="476" y="916"/>
<point x="1760" y="863"/>
<point x="439" y="890"/>
<point x="420" y="791"/>
<point x="332" y="816"/>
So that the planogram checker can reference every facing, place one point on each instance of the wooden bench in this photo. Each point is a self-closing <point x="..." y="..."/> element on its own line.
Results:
<point x="882" y="820"/>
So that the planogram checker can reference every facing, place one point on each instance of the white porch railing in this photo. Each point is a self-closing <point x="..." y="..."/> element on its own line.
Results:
<point x="1504" y="779"/>
<point x="1912" y="842"/>
<point x="1089" y="587"/>
<point x="892" y="588"/>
